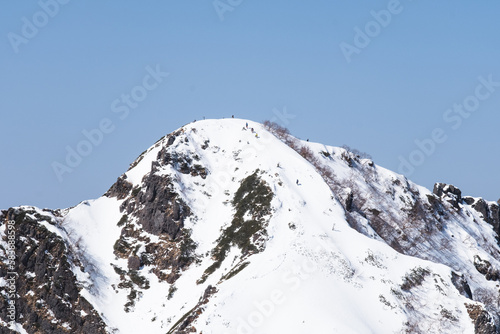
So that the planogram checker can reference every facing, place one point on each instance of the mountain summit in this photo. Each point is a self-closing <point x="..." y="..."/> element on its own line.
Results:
<point x="235" y="227"/>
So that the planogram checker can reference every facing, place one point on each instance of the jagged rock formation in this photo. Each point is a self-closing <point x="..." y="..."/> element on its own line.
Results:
<point x="490" y="211"/>
<point x="48" y="298"/>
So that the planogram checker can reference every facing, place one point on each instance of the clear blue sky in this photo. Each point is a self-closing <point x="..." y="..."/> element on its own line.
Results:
<point x="263" y="56"/>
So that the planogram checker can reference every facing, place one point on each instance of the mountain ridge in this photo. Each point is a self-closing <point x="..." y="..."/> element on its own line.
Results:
<point x="172" y="247"/>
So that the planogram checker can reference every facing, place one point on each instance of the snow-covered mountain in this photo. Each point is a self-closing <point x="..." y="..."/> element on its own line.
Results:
<point x="230" y="226"/>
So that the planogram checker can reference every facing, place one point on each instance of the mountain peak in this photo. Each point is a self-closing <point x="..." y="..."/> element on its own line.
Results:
<point x="231" y="226"/>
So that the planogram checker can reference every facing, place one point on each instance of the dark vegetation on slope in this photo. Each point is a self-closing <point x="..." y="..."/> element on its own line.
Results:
<point x="252" y="199"/>
<point x="421" y="219"/>
<point x="184" y="324"/>
<point x="414" y="278"/>
<point x="410" y="230"/>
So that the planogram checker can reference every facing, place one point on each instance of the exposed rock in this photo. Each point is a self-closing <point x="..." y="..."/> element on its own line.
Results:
<point x="494" y="217"/>
<point x="442" y="188"/>
<point x="468" y="200"/>
<point x="134" y="263"/>
<point x="120" y="189"/>
<point x="180" y="162"/>
<point x="435" y="204"/>
<point x="158" y="208"/>
<point x="348" y="201"/>
<point x="489" y="211"/>
<point x="461" y="284"/>
<point x="184" y="325"/>
<point x="156" y="205"/>
<point x="173" y="252"/>
<point x="45" y="281"/>
<point x="482" y="207"/>
<point x="210" y="290"/>
<point x="485" y="268"/>
<point x="483" y="322"/>
<point x="448" y="192"/>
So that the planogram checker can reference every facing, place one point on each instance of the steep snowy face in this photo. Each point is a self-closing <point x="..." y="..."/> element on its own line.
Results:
<point x="439" y="226"/>
<point x="229" y="226"/>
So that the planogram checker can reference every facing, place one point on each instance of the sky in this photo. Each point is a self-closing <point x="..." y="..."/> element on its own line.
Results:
<point x="87" y="86"/>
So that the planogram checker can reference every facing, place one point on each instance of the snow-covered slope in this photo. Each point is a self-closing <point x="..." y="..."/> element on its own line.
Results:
<point x="222" y="228"/>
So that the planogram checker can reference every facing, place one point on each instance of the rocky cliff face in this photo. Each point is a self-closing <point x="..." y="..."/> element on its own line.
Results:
<point x="416" y="229"/>
<point x="48" y="298"/>
<point x="216" y="230"/>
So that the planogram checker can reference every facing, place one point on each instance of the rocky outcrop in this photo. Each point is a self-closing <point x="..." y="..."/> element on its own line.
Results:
<point x="461" y="284"/>
<point x="48" y="298"/>
<point x="134" y="263"/>
<point x="483" y="323"/>
<point x="449" y="193"/>
<point x="121" y="189"/>
<point x="441" y="189"/>
<point x="154" y="208"/>
<point x="489" y="211"/>
<point x="484" y="267"/>
<point x="181" y="162"/>
<point x="157" y="207"/>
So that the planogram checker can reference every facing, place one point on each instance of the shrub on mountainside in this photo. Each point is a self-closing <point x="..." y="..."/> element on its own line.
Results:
<point x="253" y="199"/>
